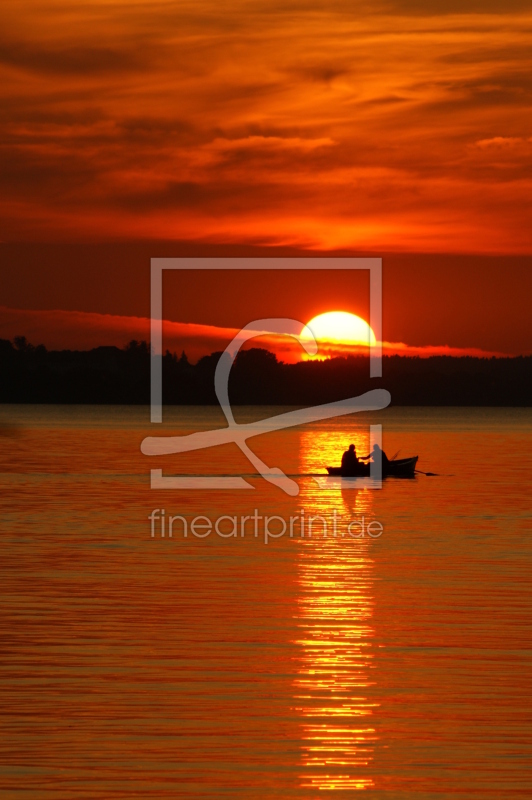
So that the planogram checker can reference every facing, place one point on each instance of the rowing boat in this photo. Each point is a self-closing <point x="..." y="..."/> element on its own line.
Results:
<point x="400" y="468"/>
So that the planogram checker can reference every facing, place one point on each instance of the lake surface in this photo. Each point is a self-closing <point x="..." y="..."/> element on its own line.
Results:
<point x="396" y="665"/>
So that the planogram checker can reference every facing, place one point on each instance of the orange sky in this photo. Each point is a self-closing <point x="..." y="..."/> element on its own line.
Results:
<point x="75" y="330"/>
<point x="400" y="128"/>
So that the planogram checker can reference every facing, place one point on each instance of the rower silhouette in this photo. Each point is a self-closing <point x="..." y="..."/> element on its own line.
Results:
<point x="349" y="459"/>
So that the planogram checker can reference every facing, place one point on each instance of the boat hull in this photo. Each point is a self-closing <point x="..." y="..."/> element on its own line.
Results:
<point x="400" y="468"/>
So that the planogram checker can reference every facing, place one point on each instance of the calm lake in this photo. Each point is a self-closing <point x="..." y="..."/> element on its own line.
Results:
<point x="211" y="665"/>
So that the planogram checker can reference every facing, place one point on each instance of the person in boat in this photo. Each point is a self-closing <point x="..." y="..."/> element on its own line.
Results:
<point x="378" y="456"/>
<point x="349" y="459"/>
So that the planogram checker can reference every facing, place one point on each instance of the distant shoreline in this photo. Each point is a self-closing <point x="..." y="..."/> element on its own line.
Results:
<point x="393" y="404"/>
<point x="115" y="376"/>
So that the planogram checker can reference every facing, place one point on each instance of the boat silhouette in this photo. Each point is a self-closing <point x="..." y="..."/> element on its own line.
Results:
<point x="400" y="468"/>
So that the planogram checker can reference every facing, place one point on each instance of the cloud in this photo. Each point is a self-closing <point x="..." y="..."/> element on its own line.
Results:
<point x="314" y="124"/>
<point x="58" y="59"/>
<point x="275" y="143"/>
<point x="59" y="329"/>
<point x="457" y="7"/>
<point x="504" y="142"/>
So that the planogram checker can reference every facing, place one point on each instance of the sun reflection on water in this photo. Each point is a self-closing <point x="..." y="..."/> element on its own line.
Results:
<point x="324" y="448"/>
<point x="335" y="611"/>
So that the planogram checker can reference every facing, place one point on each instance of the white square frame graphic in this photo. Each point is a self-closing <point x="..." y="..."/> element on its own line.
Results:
<point x="157" y="267"/>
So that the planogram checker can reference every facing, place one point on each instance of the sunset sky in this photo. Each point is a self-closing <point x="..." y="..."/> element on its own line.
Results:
<point x="400" y="129"/>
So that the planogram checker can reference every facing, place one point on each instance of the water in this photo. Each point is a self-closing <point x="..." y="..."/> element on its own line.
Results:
<point x="138" y="666"/>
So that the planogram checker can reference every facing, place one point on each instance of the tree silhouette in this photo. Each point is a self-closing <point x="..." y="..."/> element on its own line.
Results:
<point x="31" y="374"/>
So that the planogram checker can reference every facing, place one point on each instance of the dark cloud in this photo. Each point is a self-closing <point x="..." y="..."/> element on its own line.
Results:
<point x="33" y="113"/>
<point x="490" y="55"/>
<point x="155" y="130"/>
<point x="385" y="100"/>
<point x="426" y="8"/>
<point x="512" y="88"/>
<point x="46" y="177"/>
<point x="211" y="197"/>
<point x="320" y="73"/>
<point x="81" y="59"/>
<point x="175" y="194"/>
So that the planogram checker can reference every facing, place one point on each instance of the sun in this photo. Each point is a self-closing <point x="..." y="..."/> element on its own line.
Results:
<point x="341" y="327"/>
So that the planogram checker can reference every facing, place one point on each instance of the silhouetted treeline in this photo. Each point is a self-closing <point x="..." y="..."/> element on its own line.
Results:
<point x="112" y="375"/>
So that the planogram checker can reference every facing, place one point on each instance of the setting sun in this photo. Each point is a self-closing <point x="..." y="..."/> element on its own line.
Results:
<point x="341" y="327"/>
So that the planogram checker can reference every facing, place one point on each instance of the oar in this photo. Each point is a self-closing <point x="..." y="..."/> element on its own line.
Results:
<point x="428" y="474"/>
<point x="395" y="456"/>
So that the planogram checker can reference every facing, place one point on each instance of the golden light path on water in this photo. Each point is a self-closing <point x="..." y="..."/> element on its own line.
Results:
<point x="335" y="609"/>
<point x="147" y="667"/>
